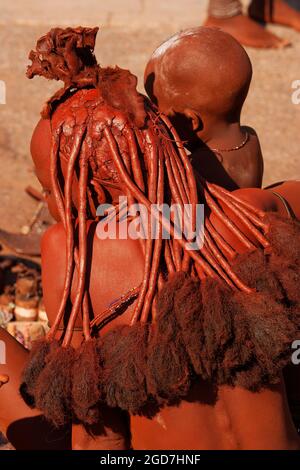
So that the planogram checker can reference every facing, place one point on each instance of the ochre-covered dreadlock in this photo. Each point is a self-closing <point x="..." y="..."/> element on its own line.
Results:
<point x="208" y="312"/>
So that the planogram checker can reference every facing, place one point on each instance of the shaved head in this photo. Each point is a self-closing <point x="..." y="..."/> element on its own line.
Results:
<point x="203" y="69"/>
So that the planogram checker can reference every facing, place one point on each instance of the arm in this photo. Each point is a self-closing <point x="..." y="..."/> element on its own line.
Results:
<point x="113" y="432"/>
<point x="290" y="190"/>
<point x="25" y="428"/>
<point x="267" y="201"/>
<point x="257" y="197"/>
<point x="264" y="200"/>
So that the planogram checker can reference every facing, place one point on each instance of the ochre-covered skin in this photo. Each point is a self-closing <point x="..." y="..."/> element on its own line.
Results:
<point x="206" y="416"/>
<point x="233" y="418"/>
<point x="26" y="429"/>
<point x="200" y="79"/>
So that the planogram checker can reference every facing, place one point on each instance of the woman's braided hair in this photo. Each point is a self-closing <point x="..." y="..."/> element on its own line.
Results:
<point x="110" y="136"/>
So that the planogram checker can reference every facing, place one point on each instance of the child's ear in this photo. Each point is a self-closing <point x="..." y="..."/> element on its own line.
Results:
<point x="194" y="118"/>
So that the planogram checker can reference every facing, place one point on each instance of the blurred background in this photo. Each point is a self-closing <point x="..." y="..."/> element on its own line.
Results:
<point x="129" y="31"/>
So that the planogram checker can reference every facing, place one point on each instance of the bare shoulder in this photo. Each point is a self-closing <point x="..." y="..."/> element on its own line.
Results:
<point x="290" y="191"/>
<point x="54" y="235"/>
<point x="252" y="132"/>
<point x="256" y="160"/>
<point x="53" y="254"/>
<point x="286" y="188"/>
<point x="268" y="199"/>
<point x="259" y="198"/>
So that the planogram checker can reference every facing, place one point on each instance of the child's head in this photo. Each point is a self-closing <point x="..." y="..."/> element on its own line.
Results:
<point x="199" y="77"/>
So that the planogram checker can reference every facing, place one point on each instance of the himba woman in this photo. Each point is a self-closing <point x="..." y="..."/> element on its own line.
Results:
<point x="152" y="345"/>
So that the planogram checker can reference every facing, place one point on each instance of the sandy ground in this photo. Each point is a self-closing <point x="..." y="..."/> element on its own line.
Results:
<point x="130" y="31"/>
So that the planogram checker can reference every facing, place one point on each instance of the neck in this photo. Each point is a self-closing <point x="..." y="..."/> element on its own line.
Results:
<point x="223" y="135"/>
